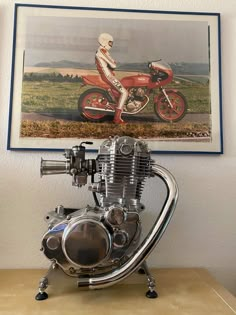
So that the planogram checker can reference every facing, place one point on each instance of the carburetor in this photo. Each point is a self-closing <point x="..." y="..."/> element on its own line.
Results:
<point x="101" y="245"/>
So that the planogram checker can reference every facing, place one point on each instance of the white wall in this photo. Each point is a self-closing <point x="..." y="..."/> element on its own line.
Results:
<point x="202" y="231"/>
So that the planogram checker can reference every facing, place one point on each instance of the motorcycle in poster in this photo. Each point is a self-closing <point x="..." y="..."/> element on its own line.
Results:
<point x="100" y="100"/>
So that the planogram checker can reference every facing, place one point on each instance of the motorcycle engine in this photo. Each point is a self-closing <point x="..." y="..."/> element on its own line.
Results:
<point x="136" y="99"/>
<point x="101" y="245"/>
<point x="95" y="239"/>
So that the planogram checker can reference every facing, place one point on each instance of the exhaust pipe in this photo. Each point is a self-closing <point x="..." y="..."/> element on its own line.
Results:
<point x="97" y="109"/>
<point x="146" y="247"/>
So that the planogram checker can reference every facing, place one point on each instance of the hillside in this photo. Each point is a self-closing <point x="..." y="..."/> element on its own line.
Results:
<point x="178" y="68"/>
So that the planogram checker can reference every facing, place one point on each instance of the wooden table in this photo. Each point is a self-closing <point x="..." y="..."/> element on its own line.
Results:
<point x="181" y="291"/>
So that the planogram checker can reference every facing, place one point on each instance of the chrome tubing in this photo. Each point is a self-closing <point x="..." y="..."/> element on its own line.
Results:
<point x="51" y="167"/>
<point x="148" y="244"/>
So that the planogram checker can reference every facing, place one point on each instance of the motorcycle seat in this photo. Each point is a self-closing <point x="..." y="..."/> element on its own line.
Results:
<point x="95" y="80"/>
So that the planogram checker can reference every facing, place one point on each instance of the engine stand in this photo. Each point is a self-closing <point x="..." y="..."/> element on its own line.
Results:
<point x="151" y="293"/>
<point x="43" y="284"/>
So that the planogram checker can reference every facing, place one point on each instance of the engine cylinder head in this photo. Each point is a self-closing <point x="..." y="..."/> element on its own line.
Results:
<point x="123" y="164"/>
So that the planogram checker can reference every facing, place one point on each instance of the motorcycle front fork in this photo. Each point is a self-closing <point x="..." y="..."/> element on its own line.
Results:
<point x="167" y="97"/>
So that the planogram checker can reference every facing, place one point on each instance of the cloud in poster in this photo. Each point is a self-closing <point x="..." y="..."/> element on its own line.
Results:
<point x="58" y="38"/>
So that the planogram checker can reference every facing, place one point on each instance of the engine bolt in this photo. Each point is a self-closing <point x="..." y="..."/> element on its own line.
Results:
<point x="72" y="270"/>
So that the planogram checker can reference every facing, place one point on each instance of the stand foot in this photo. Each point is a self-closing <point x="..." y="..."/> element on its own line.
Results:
<point x="43" y="284"/>
<point x="41" y="296"/>
<point x="151" y="294"/>
<point x="151" y="283"/>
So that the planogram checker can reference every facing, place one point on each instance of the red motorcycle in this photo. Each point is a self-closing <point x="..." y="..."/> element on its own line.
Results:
<point x="169" y="104"/>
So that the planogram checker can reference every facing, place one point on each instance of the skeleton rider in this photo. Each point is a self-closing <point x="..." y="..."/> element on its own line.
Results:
<point x="105" y="65"/>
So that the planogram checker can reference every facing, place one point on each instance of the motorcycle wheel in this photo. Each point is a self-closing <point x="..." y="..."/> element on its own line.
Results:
<point x="96" y="98"/>
<point x="168" y="114"/>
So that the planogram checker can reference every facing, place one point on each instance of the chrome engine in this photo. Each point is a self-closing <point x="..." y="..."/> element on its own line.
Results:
<point x="100" y="245"/>
<point x="137" y="99"/>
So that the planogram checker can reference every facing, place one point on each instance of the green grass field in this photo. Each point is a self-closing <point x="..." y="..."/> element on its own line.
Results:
<point x="46" y="96"/>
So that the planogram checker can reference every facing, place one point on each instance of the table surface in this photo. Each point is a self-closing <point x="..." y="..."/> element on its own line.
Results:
<point x="181" y="291"/>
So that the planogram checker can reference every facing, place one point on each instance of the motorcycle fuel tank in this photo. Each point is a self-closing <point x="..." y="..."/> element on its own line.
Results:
<point x="136" y="80"/>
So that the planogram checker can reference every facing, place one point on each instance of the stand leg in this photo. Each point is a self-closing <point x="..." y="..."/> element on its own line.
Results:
<point x="151" y="293"/>
<point x="43" y="284"/>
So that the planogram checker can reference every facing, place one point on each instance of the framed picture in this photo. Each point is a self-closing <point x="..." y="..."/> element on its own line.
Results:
<point x="162" y="82"/>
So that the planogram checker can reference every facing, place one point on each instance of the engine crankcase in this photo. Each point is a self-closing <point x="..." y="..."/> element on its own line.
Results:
<point x="93" y="239"/>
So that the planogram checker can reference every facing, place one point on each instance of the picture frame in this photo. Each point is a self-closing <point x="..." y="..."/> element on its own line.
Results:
<point x="168" y="62"/>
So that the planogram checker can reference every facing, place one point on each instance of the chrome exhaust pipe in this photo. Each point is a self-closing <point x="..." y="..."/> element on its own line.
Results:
<point x="146" y="247"/>
<point x="97" y="109"/>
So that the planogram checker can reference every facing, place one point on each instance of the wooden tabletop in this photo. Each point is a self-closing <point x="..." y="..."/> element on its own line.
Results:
<point x="181" y="291"/>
